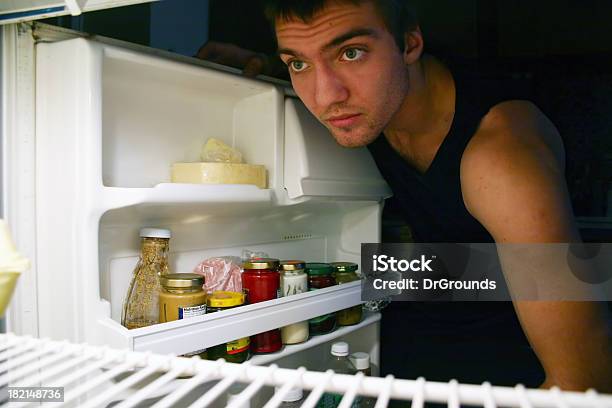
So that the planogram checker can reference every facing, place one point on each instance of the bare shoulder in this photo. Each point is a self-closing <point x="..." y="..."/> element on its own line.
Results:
<point x="514" y="164"/>
<point x="511" y="130"/>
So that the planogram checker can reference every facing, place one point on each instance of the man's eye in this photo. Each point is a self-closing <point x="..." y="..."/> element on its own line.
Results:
<point x="352" y="54"/>
<point x="297" y="65"/>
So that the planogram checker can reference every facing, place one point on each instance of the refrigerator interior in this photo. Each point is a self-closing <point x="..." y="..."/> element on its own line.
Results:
<point x="110" y="122"/>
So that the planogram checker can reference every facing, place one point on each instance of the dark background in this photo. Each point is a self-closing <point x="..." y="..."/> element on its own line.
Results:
<point x="559" y="53"/>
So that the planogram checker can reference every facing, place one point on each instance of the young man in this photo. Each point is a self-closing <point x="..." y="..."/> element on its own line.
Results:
<point x="464" y="167"/>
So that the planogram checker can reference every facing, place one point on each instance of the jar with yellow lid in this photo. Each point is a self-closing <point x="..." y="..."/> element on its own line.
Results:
<point x="236" y="351"/>
<point x="181" y="296"/>
<point x="346" y="272"/>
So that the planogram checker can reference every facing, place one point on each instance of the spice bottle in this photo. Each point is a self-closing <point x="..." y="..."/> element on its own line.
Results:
<point x="140" y="306"/>
<point x="236" y="351"/>
<point x="319" y="277"/>
<point x="294" y="280"/>
<point x="345" y="272"/>
<point x="261" y="282"/>
<point x="181" y="296"/>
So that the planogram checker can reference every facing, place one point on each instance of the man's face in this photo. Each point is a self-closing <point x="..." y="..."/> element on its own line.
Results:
<point x="346" y="68"/>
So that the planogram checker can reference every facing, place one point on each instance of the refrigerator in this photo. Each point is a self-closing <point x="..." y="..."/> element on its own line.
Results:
<point x="90" y="130"/>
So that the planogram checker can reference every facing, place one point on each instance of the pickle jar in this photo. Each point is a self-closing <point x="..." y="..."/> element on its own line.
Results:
<point x="319" y="277"/>
<point x="181" y="296"/>
<point x="294" y="280"/>
<point x="345" y="272"/>
<point x="261" y="282"/>
<point x="236" y="351"/>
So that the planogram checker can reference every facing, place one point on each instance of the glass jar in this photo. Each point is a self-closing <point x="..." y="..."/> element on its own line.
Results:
<point x="261" y="279"/>
<point x="294" y="280"/>
<point x="319" y="277"/>
<point x="261" y="282"/>
<point x="141" y="303"/>
<point x="181" y="296"/>
<point x="236" y="351"/>
<point x="346" y="272"/>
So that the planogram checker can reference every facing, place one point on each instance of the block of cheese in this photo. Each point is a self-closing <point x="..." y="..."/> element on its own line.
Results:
<point x="219" y="173"/>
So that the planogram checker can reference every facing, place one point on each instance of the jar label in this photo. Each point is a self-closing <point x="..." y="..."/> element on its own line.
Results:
<point x="191" y="311"/>
<point x="238" y="346"/>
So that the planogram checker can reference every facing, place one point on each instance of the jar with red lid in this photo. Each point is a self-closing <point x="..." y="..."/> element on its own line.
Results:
<point x="261" y="282"/>
<point x="319" y="277"/>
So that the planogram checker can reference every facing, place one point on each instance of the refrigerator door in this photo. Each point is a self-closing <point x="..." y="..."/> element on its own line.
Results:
<point x="110" y="122"/>
<point x="15" y="11"/>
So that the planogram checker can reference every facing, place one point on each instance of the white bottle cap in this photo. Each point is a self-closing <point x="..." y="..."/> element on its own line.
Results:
<point x="340" y="348"/>
<point x="294" y="394"/>
<point x="360" y="360"/>
<point x="155" y="233"/>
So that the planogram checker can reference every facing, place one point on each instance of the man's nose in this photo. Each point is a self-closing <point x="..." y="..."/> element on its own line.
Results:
<point x="329" y="87"/>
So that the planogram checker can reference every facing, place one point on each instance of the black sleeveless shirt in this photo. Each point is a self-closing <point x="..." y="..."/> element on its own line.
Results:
<point x="469" y="341"/>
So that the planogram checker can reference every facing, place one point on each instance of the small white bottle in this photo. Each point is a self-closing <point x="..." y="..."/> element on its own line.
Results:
<point x="293" y="399"/>
<point x="361" y="362"/>
<point x="338" y="361"/>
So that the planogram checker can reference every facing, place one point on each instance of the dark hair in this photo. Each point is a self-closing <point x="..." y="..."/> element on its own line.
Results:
<point x="396" y="14"/>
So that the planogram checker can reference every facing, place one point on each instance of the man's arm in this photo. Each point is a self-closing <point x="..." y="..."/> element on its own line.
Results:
<point x="252" y="63"/>
<point x="512" y="177"/>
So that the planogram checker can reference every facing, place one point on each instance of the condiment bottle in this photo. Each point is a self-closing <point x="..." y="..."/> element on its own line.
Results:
<point x="345" y="272"/>
<point x="181" y="296"/>
<point x="339" y="363"/>
<point x="319" y="277"/>
<point x="361" y="363"/>
<point x="294" y="280"/>
<point x="261" y="282"/>
<point x="236" y="351"/>
<point x="140" y="307"/>
<point x="293" y="399"/>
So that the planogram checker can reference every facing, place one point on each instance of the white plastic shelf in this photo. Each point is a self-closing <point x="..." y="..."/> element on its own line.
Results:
<point x="262" y="359"/>
<point x="178" y="193"/>
<point x="196" y="333"/>
<point x="172" y="201"/>
<point x="32" y="362"/>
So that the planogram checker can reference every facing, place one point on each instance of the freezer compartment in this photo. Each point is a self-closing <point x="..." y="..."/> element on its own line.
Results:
<point x="157" y="112"/>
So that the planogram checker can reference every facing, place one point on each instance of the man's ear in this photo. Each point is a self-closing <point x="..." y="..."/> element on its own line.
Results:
<point x="413" y="46"/>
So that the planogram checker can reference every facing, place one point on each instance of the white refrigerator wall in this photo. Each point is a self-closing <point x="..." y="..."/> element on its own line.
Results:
<point x="109" y="124"/>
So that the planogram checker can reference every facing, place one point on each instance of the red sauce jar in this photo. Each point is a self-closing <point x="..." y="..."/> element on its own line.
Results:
<point x="261" y="282"/>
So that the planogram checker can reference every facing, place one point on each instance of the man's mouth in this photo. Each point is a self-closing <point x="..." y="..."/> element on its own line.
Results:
<point x="343" y="121"/>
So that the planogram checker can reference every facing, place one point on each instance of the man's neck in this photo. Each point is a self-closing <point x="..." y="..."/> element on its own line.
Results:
<point x="427" y="111"/>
